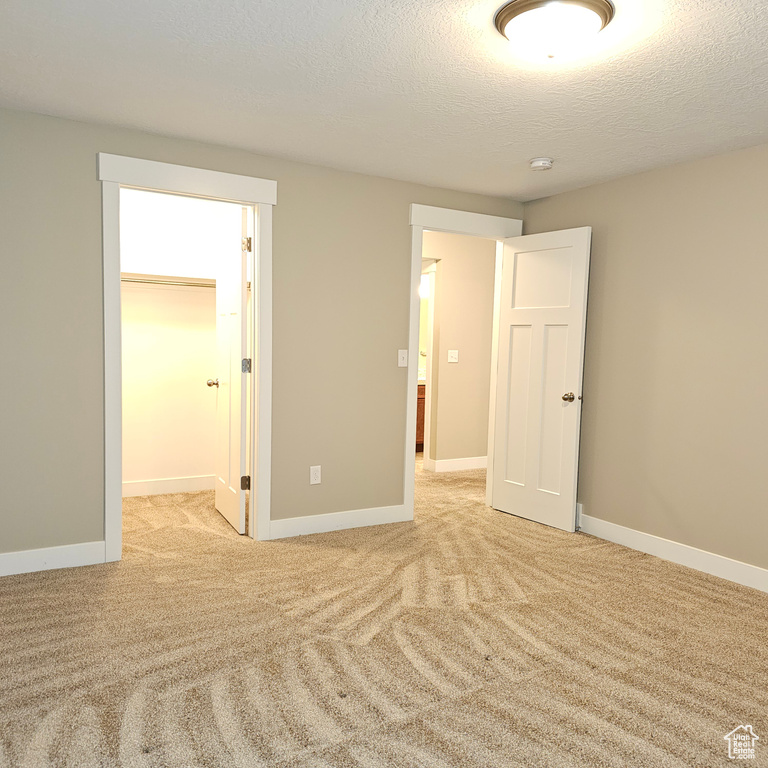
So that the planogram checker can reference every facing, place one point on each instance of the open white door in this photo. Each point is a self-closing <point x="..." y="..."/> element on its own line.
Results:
<point x="231" y="343"/>
<point x="542" y="322"/>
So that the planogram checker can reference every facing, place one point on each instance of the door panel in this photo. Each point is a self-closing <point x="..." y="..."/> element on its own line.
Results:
<point x="542" y="278"/>
<point x="541" y="351"/>
<point x="231" y="341"/>
<point x="517" y="415"/>
<point x="552" y="413"/>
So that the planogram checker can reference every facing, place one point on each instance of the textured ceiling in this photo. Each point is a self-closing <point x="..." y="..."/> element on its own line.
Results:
<point x="425" y="91"/>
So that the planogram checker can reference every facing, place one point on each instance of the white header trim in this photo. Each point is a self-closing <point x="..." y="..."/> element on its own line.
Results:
<point x="148" y="174"/>
<point x="464" y="222"/>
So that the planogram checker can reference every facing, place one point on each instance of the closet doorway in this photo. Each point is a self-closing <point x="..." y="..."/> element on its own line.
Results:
<point x="185" y="291"/>
<point x="235" y="352"/>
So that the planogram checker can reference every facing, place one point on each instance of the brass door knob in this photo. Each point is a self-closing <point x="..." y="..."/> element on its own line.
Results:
<point x="212" y="383"/>
<point x="569" y="397"/>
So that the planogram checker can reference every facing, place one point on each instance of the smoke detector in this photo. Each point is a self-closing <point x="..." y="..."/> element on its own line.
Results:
<point x="542" y="164"/>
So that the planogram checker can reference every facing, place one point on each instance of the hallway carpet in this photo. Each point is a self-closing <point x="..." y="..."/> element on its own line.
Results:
<point x="469" y="638"/>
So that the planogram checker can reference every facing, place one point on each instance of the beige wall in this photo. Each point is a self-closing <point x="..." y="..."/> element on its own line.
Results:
<point x="423" y="338"/>
<point x="674" y="439"/>
<point x="463" y="321"/>
<point x="341" y="292"/>
<point x="169" y="414"/>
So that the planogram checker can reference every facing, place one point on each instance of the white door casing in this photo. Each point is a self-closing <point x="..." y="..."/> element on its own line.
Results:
<point x="231" y="349"/>
<point x="541" y="332"/>
<point x="115" y="171"/>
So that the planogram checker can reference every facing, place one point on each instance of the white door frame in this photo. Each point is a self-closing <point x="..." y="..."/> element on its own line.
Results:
<point x="495" y="228"/>
<point x="116" y="171"/>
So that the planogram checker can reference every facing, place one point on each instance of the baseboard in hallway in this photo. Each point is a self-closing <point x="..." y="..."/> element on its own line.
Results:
<point x="455" y="465"/>
<point x="190" y="484"/>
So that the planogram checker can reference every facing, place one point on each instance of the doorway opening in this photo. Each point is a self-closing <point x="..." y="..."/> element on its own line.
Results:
<point x="245" y="377"/>
<point x="185" y="281"/>
<point x="455" y="343"/>
<point x="536" y="361"/>
<point x="425" y="219"/>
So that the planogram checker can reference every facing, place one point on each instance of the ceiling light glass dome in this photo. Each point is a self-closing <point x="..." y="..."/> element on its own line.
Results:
<point x="552" y="28"/>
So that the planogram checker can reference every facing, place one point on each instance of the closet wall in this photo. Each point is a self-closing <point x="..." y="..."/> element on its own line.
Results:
<point x="169" y="350"/>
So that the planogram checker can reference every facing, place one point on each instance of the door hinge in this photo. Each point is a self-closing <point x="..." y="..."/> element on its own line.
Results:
<point x="246" y="365"/>
<point x="245" y="483"/>
<point x="247" y="244"/>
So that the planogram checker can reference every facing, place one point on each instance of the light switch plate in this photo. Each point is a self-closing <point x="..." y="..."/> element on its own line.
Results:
<point x="402" y="358"/>
<point x="453" y="355"/>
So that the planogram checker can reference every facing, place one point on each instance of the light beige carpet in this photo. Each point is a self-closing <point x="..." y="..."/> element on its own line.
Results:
<point x="468" y="638"/>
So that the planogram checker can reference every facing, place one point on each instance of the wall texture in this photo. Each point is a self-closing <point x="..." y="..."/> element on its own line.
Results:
<point x="341" y="292"/>
<point x="463" y="321"/>
<point x="674" y="434"/>
<point x="423" y="338"/>
<point x="169" y="414"/>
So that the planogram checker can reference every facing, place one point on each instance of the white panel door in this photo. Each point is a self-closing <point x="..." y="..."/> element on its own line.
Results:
<point x="231" y="346"/>
<point x="537" y="416"/>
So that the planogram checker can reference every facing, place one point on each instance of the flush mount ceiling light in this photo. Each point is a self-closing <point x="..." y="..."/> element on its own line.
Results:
<point x="552" y="27"/>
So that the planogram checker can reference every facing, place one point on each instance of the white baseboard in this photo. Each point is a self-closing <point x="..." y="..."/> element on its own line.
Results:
<point x="708" y="562"/>
<point x="68" y="556"/>
<point x="169" y="485"/>
<point x="338" y="521"/>
<point x="455" y="465"/>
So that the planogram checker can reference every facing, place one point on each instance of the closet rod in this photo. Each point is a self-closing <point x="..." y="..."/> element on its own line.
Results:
<point x="167" y="282"/>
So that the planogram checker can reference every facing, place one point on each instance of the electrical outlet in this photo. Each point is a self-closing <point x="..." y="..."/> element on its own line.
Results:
<point x="402" y="358"/>
<point x="314" y="475"/>
<point x="453" y="355"/>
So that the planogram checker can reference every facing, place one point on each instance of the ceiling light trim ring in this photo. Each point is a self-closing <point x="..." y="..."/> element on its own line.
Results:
<point x="603" y="8"/>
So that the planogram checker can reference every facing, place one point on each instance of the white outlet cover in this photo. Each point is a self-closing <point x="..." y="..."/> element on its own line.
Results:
<point x="315" y="476"/>
<point x="453" y="355"/>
